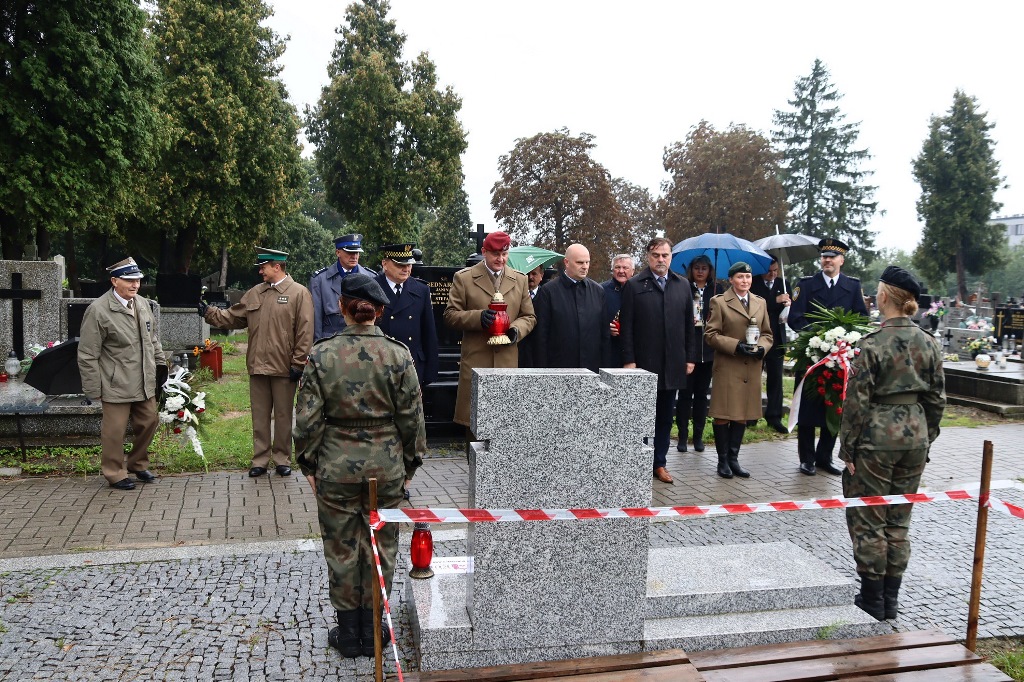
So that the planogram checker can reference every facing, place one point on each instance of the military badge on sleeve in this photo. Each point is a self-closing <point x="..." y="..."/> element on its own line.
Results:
<point x="796" y="293"/>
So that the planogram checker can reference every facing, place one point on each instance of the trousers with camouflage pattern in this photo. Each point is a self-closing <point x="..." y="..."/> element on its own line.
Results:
<point x="879" y="533"/>
<point x="344" y="511"/>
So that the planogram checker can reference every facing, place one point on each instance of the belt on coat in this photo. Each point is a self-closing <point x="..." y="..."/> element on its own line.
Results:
<point x="358" y="423"/>
<point x="897" y="399"/>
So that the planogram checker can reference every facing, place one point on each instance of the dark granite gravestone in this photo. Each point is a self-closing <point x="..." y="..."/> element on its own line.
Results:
<point x="1008" y="322"/>
<point x="175" y="290"/>
<point x="76" y="311"/>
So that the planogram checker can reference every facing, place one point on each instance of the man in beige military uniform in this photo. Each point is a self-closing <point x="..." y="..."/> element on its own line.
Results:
<point x="122" y="365"/>
<point x="468" y="301"/>
<point x="279" y="315"/>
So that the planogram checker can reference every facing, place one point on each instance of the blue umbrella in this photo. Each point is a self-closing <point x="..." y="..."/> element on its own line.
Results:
<point x="723" y="250"/>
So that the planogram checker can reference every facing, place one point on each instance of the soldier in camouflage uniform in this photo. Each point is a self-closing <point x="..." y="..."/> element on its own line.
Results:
<point x="894" y="403"/>
<point x="359" y="415"/>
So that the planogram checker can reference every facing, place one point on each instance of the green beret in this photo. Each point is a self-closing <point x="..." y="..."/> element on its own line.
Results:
<point x="740" y="266"/>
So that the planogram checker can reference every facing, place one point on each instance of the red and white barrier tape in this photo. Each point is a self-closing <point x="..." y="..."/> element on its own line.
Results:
<point x="1005" y="507"/>
<point x="497" y="515"/>
<point x="375" y="524"/>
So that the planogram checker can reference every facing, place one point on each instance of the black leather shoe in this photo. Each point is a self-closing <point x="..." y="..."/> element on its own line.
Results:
<point x="681" y="445"/>
<point x="829" y="468"/>
<point x="283" y="470"/>
<point x="144" y="476"/>
<point x="257" y="471"/>
<point x="778" y="426"/>
<point x="807" y="468"/>
<point x="698" y="443"/>
<point x="405" y="493"/>
<point x="123" y="484"/>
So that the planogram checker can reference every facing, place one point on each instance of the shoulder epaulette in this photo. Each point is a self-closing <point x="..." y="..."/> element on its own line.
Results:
<point x="394" y="340"/>
<point x="855" y="279"/>
<point x="325" y="338"/>
<point x="421" y="280"/>
<point x="323" y="269"/>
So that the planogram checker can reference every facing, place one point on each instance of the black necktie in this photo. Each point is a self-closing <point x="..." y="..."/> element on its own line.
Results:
<point x="398" y="290"/>
<point x="830" y="283"/>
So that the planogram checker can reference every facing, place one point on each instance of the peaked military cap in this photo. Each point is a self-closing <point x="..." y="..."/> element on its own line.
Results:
<point x="126" y="269"/>
<point x="364" y="288"/>
<point x="897" y="277"/>
<point x="832" y="247"/>
<point x="400" y="253"/>
<point x="740" y="266"/>
<point x="270" y="256"/>
<point x="353" y="243"/>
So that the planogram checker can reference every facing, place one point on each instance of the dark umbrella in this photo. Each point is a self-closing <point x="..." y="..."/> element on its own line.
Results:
<point x="723" y="249"/>
<point x="55" y="370"/>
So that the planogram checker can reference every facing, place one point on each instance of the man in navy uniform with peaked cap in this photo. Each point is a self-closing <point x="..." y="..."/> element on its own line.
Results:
<point x="829" y="288"/>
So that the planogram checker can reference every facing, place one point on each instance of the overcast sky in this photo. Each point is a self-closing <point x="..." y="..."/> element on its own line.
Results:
<point x="639" y="75"/>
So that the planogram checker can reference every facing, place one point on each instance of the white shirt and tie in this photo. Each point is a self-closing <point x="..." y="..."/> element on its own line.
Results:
<point x="395" y="286"/>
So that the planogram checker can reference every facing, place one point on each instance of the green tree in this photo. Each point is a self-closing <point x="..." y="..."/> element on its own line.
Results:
<point x="445" y="237"/>
<point x="641" y="214"/>
<point x="76" y="88"/>
<point x="821" y="166"/>
<point x="959" y="176"/>
<point x="553" y="193"/>
<point x="310" y="245"/>
<point x="722" y="182"/>
<point x="388" y="141"/>
<point x="314" y="202"/>
<point x="230" y="170"/>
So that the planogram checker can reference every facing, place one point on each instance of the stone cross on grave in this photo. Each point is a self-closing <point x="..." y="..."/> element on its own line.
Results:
<point x="17" y="295"/>
<point x="479" y="235"/>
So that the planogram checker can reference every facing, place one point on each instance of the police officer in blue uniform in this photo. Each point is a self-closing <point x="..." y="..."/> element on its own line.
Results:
<point x="829" y="288"/>
<point x="408" y="316"/>
<point x="325" y="285"/>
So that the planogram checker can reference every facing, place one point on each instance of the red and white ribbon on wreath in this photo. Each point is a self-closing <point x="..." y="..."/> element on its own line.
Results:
<point x="689" y="511"/>
<point x="839" y="357"/>
<point x="375" y="524"/>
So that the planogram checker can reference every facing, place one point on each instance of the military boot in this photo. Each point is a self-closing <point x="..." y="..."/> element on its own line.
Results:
<point x="366" y="628"/>
<point x="721" y="432"/>
<point x="870" y="599"/>
<point x="736" y="431"/>
<point x="891" y="593"/>
<point x="345" y="637"/>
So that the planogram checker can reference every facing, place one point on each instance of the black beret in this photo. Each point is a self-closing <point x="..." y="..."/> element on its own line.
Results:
<point x="739" y="266"/>
<point x="896" y="276"/>
<point x="364" y="288"/>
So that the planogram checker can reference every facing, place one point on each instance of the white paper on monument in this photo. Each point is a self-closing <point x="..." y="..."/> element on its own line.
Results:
<point x="794" y="406"/>
<point x="450" y="565"/>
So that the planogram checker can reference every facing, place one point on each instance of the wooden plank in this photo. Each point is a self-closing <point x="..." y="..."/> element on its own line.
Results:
<point x="964" y="673"/>
<point x="833" y="667"/>
<point x="668" y="673"/>
<point x="548" y="669"/>
<point x="795" y="651"/>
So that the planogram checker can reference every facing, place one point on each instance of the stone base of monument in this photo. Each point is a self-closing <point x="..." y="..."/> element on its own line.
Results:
<point x="66" y="421"/>
<point x="697" y="598"/>
<point x="995" y="389"/>
<point x="182" y="328"/>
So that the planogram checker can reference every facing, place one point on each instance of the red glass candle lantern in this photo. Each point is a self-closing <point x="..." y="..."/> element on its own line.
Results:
<point x="501" y="322"/>
<point x="421" y="551"/>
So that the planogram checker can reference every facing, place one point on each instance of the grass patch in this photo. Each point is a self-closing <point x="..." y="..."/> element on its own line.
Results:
<point x="1005" y="654"/>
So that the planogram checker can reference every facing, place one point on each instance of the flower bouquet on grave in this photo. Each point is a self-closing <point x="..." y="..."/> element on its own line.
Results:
<point x="31" y="352"/>
<point x="822" y="354"/>
<point x="982" y="344"/>
<point x="182" y="410"/>
<point x="937" y="309"/>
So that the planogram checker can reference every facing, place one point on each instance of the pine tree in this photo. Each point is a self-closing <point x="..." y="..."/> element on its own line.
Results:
<point x="959" y="176"/>
<point x="821" y="166"/>
<point x="445" y="238"/>
<point x="231" y="167"/>
<point x="388" y="140"/>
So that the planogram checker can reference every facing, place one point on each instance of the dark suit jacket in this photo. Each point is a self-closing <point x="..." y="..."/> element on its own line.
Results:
<point x="657" y="329"/>
<point x="846" y="294"/>
<point x="612" y="306"/>
<point x="769" y="294"/>
<point x="409" y="318"/>
<point x="704" y="351"/>
<point x="571" y="331"/>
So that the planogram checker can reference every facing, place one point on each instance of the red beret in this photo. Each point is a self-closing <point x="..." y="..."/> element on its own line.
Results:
<point x="497" y="241"/>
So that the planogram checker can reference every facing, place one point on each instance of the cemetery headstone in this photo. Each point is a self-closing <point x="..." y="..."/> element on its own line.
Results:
<point x="30" y="294"/>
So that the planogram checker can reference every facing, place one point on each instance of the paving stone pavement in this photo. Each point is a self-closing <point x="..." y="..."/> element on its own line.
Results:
<point x="221" y="584"/>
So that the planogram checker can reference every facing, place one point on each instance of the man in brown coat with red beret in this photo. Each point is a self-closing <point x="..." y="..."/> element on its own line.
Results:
<point x="472" y="291"/>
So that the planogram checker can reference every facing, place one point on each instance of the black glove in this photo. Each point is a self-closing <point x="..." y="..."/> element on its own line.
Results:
<point x="161" y="376"/>
<point x="487" y="318"/>
<point x="294" y="373"/>
<point x="201" y="307"/>
<point x="512" y="334"/>
<point x="758" y="351"/>
<point x="750" y="350"/>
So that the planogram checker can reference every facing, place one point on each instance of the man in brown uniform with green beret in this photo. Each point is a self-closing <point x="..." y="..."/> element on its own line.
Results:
<point x="279" y="315"/>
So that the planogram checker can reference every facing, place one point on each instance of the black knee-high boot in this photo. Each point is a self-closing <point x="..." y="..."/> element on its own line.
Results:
<point x="736" y="431"/>
<point x="721" y="432"/>
<point x="891" y="593"/>
<point x="871" y="598"/>
<point x="366" y="630"/>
